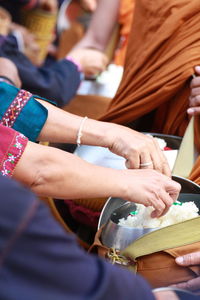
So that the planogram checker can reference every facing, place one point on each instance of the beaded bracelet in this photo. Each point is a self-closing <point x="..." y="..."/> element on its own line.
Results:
<point x="79" y="134"/>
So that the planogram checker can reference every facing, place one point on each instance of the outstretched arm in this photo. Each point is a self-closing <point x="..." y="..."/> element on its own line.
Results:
<point x="52" y="172"/>
<point x="135" y="147"/>
<point x="89" y="52"/>
<point x="101" y="26"/>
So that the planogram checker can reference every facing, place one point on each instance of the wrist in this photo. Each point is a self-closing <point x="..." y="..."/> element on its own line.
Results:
<point x="96" y="133"/>
<point x="75" y="62"/>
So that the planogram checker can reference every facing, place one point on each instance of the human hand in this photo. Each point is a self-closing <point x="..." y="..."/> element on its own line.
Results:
<point x="89" y="5"/>
<point x="92" y="61"/>
<point x="140" y="151"/>
<point x="48" y="5"/>
<point x="165" y="295"/>
<point x="149" y="188"/>
<point x="9" y="70"/>
<point x="189" y="260"/>
<point x="194" y="99"/>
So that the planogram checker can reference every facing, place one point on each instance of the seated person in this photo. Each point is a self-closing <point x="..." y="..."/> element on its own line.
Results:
<point x="40" y="261"/>
<point x="58" y="81"/>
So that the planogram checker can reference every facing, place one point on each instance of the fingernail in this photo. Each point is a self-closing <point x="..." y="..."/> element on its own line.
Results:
<point x="179" y="260"/>
<point x="190" y="110"/>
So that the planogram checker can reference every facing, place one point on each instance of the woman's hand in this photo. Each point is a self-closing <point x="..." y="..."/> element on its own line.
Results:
<point x="62" y="175"/>
<point x="190" y="259"/>
<point x="141" y="151"/>
<point x="194" y="99"/>
<point x="150" y="188"/>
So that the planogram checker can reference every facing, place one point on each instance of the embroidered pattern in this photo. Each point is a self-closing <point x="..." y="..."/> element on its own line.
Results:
<point x="15" y="108"/>
<point x="14" y="153"/>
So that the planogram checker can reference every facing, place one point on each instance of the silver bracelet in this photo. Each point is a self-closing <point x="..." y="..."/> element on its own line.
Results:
<point x="79" y="134"/>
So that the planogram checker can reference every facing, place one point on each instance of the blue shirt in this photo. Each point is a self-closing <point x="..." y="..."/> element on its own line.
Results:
<point x="40" y="261"/>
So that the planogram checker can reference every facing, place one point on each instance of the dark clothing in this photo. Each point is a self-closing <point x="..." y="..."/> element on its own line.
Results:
<point x="58" y="82"/>
<point x="14" y="6"/>
<point x="40" y="261"/>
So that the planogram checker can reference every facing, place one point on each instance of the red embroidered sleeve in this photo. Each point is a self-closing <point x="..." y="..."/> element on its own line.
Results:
<point x="12" y="147"/>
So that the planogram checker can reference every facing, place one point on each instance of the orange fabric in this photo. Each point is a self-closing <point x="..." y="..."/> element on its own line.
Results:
<point x="195" y="174"/>
<point x="126" y="11"/>
<point x="159" y="268"/>
<point x="164" y="47"/>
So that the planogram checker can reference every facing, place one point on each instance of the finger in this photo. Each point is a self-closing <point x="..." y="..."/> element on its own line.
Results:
<point x="195" y="82"/>
<point x="193" y="111"/>
<point x="191" y="285"/>
<point x="156" y="155"/>
<point x="189" y="259"/>
<point x="159" y="208"/>
<point x="167" y="201"/>
<point x="146" y="161"/>
<point x="195" y="90"/>
<point x="133" y="162"/>
<point x="195" y="100"/>
<point x="173" y="188"/>
<point x="163" y="166"/>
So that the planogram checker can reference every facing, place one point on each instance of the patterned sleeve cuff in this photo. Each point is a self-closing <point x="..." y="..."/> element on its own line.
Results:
<point x="21" y="111"/>
<point x="11" y="150"/>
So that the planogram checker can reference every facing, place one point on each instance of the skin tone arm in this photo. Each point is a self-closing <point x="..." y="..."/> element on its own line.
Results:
<point x="101" y="26"/>
<point x="63" y="127"/>
<point x="52" y="172"/>
<point x="89" y="51"/>
<point x="135" y="147"/>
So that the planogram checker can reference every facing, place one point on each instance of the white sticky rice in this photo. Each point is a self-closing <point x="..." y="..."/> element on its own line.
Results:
<point x="176" y="214"/>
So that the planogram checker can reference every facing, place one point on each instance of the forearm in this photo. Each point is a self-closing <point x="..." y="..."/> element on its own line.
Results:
<point x="51" y="172"/>
<point x="101" y="26"/>
<point x="63" y="127"/>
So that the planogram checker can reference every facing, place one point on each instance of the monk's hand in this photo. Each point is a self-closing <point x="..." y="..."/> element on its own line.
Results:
<point x="190" y="259"/>
<point x="140" y="151"/>
<point x="194" y="99"/>
<point x="165" y="295"/>
<point x="150" y="188"/>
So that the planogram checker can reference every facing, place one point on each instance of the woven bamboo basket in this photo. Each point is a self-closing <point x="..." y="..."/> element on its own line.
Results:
<point x="42" y="24"/>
